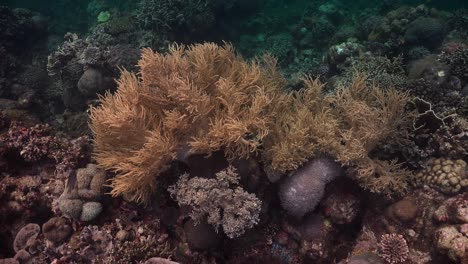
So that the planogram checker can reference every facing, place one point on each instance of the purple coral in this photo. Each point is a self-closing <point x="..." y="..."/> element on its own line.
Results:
<point x="37" y="143"/>
<point x="33" y="143"/>
<point x="221" y="200"/>
<point x="301" y="192"/>
<point x="393" y="248"/>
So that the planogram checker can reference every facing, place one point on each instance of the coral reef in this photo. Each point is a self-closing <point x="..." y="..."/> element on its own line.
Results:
<point x="341" y="139"/>
<point x="393" y="248"/>
<point x="446" y="175"/>
<point x="230" y="207"/>
<point x="38" y="143"/>
<point x="347" y="126"/>
<point x="240" y="110"/>
<point x="303" y="190"/>
<point x="83" y="192"/>
<point x="164" y="16"/>
<point x="221" y="102"/>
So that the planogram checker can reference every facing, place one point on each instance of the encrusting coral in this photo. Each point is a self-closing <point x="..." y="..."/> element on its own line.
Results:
<point x="446" y="175"/>
<point x="203" y="98"/>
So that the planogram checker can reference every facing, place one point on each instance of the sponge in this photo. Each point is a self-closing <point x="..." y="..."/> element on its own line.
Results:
<point x="302" y="191"/>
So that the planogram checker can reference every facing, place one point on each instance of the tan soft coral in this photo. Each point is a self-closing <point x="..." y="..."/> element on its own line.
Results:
<point x="346" y="125"/>
<point x="203" y="98"/>
<point x="196" y="99"/>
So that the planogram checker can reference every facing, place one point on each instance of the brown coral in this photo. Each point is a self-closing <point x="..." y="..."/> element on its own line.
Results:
<point x="347" y="125"/>
<point x="202" y="96"/>
<point x="447" y="175"/>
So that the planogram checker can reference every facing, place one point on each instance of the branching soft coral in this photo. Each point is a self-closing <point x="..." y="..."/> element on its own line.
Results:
<point x="347" y="125"/>
<point x="203" y="98"/>
<point x="199" y="99"/>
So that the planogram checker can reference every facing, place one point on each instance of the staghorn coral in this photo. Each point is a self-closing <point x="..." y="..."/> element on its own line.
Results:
<point x="229" y="206"/>
<point x="169" y="16"/>
<point x="196" y="99"/>
<point x="385" y="72"/>
<point x="457" y="59"/>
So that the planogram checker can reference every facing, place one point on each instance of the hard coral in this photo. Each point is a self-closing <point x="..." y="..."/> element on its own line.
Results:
<point x="425" y="31"/>
<point x="38" y="143"/>
<point x="26" y="236"/>
<point x="393" y="248"/>
<point x="230" y="206"/>
<point x="57" y="229"/>
<point x="200" y="99"/>
<point x="448" y="176"/>
<point x="81" y="198"/>
<point x="169" y="16"/>
<point x="451" y="241"/>
<point x="457" y="59"/>
<point x="33" y="143"/>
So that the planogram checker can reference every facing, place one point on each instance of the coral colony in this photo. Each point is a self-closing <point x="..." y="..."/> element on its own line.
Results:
<point x="196" y="132"/>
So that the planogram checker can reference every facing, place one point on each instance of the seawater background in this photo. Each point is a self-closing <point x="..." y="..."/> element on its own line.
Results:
<point x="75" y="16"/>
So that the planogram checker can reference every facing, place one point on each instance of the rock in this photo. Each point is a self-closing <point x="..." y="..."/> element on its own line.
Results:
<point x="122" y="235"/>
<point x="71" y="207"/>
<point x="341" y="208"/>
<point x="451" y="242"/>
<point x="201" y="236"/>
<point x="9" y="261"/>
<point x="404" y="210"/>
<point x="90" y="211"/>
<point x="26" y="236"/>
<point x="56" y="230"/>
<point x="159" y="261"/>
<point x="92" y="82"/>
<point x="365" y="258"/>
<point x="302" y="191"/>
<point x="23" y="257"/>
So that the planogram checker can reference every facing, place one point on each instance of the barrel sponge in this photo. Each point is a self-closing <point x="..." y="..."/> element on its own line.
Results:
<point x="301" y="192"/>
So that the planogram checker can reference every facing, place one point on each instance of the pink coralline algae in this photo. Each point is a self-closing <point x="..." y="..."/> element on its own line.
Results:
<point x="33" y="143"/>
<point x="393" y="248"/>
<point x="37" y="143"/>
